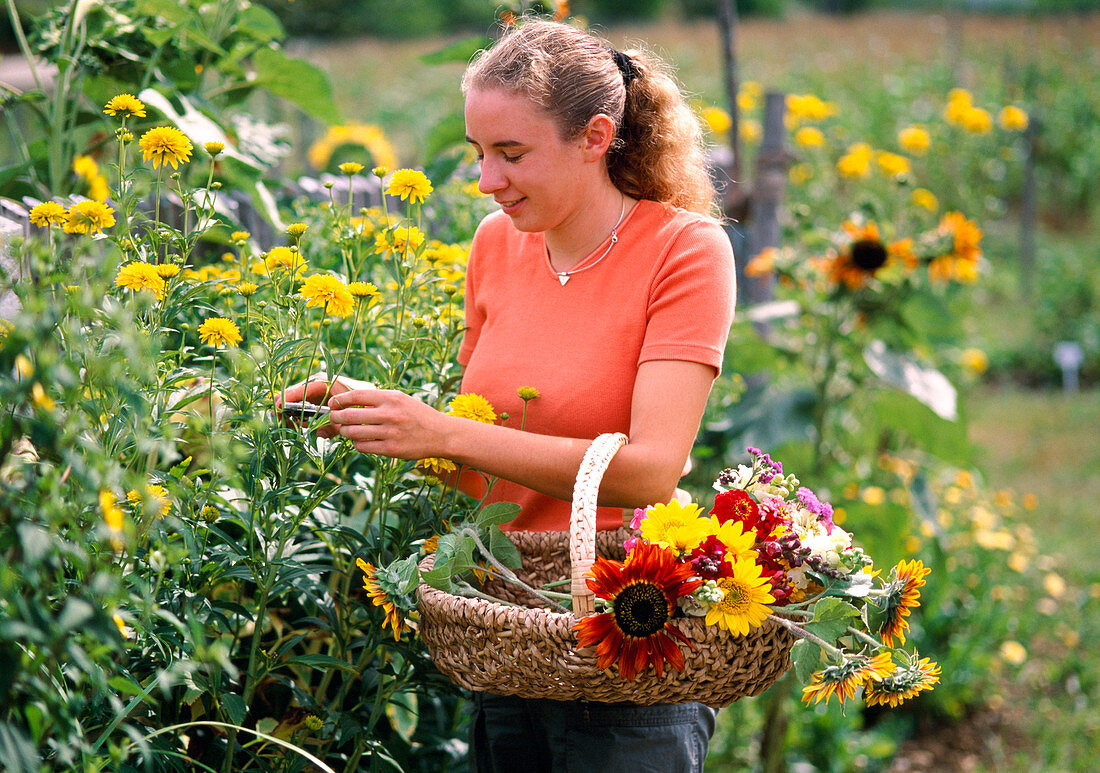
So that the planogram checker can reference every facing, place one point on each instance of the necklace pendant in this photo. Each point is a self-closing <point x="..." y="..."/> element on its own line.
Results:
<point x="563" y="277"/>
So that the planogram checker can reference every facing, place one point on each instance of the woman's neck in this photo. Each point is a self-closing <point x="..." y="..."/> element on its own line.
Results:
<point x="588" y="228"/>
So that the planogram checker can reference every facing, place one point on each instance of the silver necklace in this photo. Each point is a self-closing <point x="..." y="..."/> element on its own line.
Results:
<point x="563" y="276"/>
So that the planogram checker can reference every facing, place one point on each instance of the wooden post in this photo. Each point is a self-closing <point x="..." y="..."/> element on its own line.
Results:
<point x="1028" y="210"/>
<point x="769" y="183"/>
<point x="733" y="200"/>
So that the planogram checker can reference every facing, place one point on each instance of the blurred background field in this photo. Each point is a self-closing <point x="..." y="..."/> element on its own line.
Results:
<point x="1015" y="613"/>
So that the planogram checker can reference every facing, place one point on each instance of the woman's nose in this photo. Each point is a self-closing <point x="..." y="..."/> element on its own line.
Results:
<point x="491" y="180"/>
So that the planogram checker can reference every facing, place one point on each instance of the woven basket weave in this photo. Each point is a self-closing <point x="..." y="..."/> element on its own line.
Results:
<point x="532" y="652"/>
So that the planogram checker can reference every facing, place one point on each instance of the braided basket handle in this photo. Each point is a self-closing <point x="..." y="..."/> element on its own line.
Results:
<point x="582" y="518"/>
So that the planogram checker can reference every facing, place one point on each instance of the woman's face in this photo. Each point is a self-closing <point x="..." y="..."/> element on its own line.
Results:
<point x="539" y="179"/>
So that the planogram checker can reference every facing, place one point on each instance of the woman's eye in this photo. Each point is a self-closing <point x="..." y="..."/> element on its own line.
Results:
<point x="513" y="159"/>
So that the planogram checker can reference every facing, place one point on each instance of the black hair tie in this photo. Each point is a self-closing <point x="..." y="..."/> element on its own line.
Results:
<point x="625" y="65"/>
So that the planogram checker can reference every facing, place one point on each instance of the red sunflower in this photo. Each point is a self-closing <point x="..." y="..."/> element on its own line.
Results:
<point x="638" y="632"/>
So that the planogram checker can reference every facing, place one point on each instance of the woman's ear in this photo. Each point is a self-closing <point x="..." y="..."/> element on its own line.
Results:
<point x="598" y="136"/>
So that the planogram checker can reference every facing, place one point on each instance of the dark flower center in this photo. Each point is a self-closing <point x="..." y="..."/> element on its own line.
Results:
<point x="641" y="609"/>
<point x="868" y="255"/>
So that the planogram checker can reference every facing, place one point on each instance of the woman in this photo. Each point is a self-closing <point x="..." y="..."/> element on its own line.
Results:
<point x="603" y="283"/>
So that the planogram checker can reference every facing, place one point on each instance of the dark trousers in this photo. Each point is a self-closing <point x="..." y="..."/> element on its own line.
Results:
<point x="544" y="736"/>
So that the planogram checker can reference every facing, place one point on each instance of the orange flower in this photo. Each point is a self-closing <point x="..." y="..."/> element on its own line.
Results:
<point x="639" y="632"/>
<point x="902" y="595"/>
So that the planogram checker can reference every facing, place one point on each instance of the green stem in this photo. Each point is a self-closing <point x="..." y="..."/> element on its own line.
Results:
<point x="508" y="574"/>
<point x="802" y="633"/>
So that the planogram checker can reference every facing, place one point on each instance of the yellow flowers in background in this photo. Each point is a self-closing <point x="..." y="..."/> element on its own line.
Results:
<point x="47" y="214"/>
<point x="138" y="276"/>
<point x="361" y="136"/>
<point x="89" y="217"/>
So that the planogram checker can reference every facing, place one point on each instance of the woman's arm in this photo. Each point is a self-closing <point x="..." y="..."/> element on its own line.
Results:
<point x="666" y="409"/>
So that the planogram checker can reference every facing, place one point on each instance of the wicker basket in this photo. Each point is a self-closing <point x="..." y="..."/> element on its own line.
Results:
<point x="532" y="652"/>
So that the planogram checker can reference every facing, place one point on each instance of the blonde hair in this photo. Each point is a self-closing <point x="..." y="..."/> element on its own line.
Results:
<point x="658" y="150"/>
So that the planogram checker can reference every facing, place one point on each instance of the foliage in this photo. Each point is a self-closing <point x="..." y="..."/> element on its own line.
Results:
<point x="206" y="60"/>
<point x="175" y="558"/>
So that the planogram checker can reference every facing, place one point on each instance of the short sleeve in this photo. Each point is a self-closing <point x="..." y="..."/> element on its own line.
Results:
<point x="475" y="316"/>
<point x="692" y="297"/>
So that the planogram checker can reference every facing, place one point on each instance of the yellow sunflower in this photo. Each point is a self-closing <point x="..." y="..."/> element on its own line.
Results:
<point x="126" y="105"/>
<point x="472" y="406"/>
<point x="902" y="594"/>
<point x="843" y="680"/>
<point x="674" y="526"/>
<point x="411" y="184"/>
<point x="747" y="595"/>
<point x="902" y="684"/>
<point x="89" y="217"/>
<point x="329" y="293"/>
<point x="219" y="331"/>
<point x="165" y="145"/>
<point x="961" y="264"/>
<point x="139" y="275"/>
<point x="380" y="598"/>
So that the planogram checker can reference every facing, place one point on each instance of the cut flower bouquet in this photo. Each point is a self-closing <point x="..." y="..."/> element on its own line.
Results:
<point x="767" y="549"/>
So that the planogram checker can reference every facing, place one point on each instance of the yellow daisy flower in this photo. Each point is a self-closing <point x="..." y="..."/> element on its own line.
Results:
<point x="809" y="137"/>
<point x="351" y="168"/>
<point x="218" y="331"/>
<point x="362" y="290"/>
<point x="89" y="217"/>
<point x="285" y="258"/>
<point x="472" y="406"/>
<point x="165" y="145"/>
<point x="329" y="293"/>
<point x="674" y="526"/>
<point x="747" y="595"/>
<point x="48" y="213"/>
<point x="297" y="229"/>
<point x="167" y="270"/>
<point x="915" y="140"/>
<point x="1012" y="118"/>
<point x="126" y="105"/>
<point x="139" y="275"/>
<point x="717" y="119"/>
<point x="409" y="184"/>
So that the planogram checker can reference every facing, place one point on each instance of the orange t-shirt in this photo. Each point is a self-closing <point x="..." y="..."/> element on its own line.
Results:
<point x="665" y="291"/>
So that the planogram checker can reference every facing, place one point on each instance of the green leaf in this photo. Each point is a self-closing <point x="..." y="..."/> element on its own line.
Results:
<point x="448" y="132"/>
<point x="806" y="657"/>
<point x="891" y="411"/>
<point x="234" y="707"/>
<point x="128" y="686"/>
<point x="260" y="24"/>
<point x="496" y="514"/>
<point x="503" y="549"/>
<point x="459" y="51"/>
<point x="296" y="81"/>
<point x="831" y="618"/>
<point x="401" y="709"/>
<point x="924" y="383"/>
<point x="322" y="661"/>
<point x="169" y="10"/>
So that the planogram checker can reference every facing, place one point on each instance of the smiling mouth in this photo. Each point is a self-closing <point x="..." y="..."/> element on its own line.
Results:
<point x="507" y="204"/>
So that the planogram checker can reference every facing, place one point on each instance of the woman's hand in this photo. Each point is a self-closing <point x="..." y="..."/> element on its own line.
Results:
<point x="317" y="389"/>
<point x="389" y="423"/>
